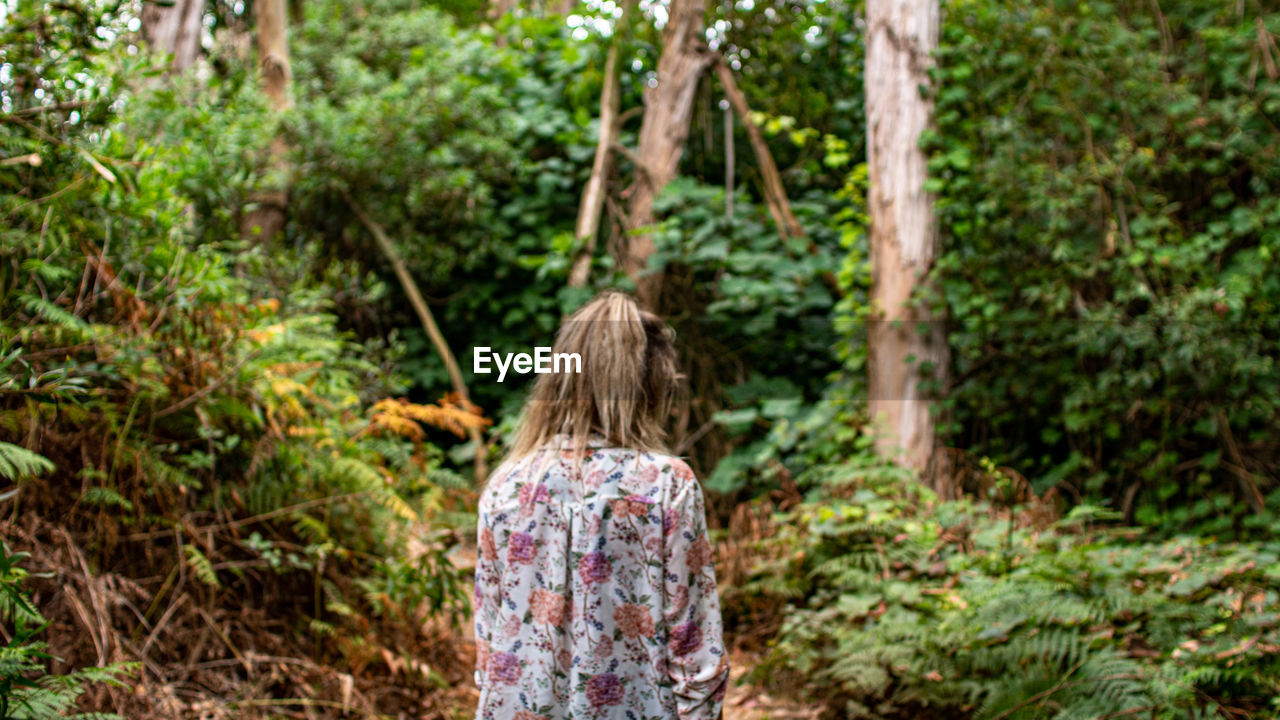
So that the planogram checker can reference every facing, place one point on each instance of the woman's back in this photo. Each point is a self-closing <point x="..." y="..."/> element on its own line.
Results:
<point x="595" y="593"/>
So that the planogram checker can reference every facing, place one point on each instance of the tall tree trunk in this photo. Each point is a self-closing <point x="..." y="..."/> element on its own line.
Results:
<point x="175" y="30"/>
<point x="668" y="109"/>
<point x="267" y="218"/>
<point x="273" y="51"/>
<point x="901" y="35"/>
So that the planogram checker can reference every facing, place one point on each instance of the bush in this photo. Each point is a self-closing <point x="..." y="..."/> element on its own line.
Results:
<point x="901" y="606"/>
<point x="1108" y="190"/>
<point x="221" y="444"/>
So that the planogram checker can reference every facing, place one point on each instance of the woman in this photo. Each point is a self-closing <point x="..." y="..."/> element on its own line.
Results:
<point x="595" y="593"/>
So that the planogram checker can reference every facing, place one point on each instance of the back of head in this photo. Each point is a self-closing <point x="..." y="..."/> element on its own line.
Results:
<point x="624" y="389"/>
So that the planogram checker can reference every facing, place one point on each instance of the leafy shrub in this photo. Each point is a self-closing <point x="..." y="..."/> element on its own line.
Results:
<point x="195" y="390"/>
<point x="1107" y="183"/>
<point x="901" y="606"/>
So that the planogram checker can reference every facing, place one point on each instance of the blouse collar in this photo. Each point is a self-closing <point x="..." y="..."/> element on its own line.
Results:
<point x="565" y="441"/>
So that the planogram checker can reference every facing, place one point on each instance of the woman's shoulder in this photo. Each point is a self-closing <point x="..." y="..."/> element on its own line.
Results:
<point x="673" y="464"/>
<point x="668" y="470"/>
<point x="499" y="481"/>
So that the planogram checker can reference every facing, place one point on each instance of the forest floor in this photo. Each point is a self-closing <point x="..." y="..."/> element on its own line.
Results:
<point x="744" y="701"/>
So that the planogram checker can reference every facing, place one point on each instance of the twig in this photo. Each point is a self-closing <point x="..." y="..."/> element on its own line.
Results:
<point x="630" y="154"/>
<point x="695" y="437"/>
<point x="69" y="105"/>
<point x="164" y="619"/>
<point x="207" y="388"/>
<point x="774" y="192"/>
<point x="253" y="658"/>
<point x="305" y="702"/>
<point x="103" y="625"/>
<point x="245" y="521"/>
<point x="1251" y="493"/>
<point x="248" y="668"/>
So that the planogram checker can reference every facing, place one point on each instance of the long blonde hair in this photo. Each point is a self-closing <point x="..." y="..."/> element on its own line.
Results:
<point x="624" y="390"/>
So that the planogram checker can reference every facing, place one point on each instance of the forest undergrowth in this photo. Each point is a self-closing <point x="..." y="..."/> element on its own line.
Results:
<point x="232" y="484"/>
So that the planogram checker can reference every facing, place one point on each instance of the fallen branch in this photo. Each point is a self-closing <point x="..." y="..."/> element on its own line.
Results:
<point x="428" y="321"/>
<point x="1248" y="487"/>
<point x="202" y="392"/>
<point x="775" y="194"/>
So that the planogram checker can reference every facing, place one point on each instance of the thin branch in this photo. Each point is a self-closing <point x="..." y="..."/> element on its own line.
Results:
<point x="775" y="193"/>
<point x="424" y="314"/>
<point x="70" y="105"/>
<point x="207" y="388"/>
<point x="629" y="154"/>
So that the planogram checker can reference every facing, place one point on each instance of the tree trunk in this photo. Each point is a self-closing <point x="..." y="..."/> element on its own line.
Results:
<point x="175" y="30"/>
<point x="668" y="109"/>
<point x="267" y="218"/>
<point x="273" y="51"/>
<point x="901" y="35"/>
<point x="593" y="195"/>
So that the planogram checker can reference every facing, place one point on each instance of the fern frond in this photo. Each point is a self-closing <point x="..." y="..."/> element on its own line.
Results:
<point x="17" y="462"/>
<point x="200" y="565"/>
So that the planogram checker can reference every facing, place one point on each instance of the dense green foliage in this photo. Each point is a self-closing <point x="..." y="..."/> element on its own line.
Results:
<point x="244" y="426"/>
<point x="1110" y="201"/>
<point x="201" y="406"/>
<point x="957" y="608"/>
<point x="1106" y="179"/>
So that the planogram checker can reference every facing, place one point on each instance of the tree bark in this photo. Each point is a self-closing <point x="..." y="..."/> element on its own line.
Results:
<point x="592" y="206"/>
<point x="775" y="195"/>
<point x="175" y="30"/>
<point x="273" y="51"/>
<point x="268" y="217"/>
<point x="668" y="109"/>
<point x="901" y="35"/>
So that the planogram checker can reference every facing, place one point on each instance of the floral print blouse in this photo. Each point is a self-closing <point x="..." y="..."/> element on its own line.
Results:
<point x="595" y="594"/>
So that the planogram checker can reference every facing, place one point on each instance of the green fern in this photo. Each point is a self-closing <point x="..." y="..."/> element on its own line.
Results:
<point x="17" y="463"/>
<point x="56" y="315"/>
<point x="106" y="497"/>
<point x="27" y="691"/>
<point x="200" y="565"/>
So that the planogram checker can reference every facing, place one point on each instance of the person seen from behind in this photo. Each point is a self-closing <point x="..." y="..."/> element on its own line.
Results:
<point x="595" y="593"/>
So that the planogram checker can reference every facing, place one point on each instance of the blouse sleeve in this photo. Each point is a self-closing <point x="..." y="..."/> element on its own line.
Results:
<point x="487" y="601"/>
<point x="697" y="662"/>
